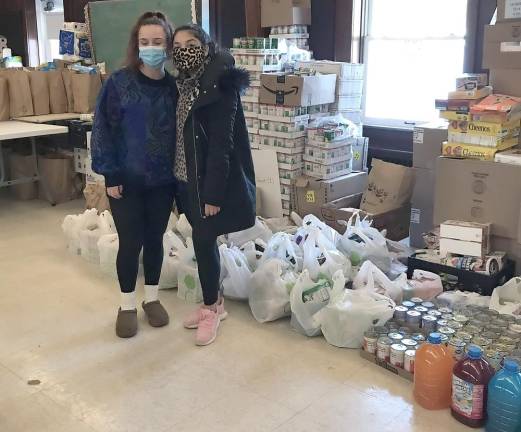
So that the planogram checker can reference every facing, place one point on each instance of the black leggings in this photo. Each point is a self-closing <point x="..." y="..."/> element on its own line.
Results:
<point x="141" y="218"/>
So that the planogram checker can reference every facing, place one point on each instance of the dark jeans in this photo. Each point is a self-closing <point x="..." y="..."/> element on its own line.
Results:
<point x="205" y="248"/>
<point x="141" y="218"/>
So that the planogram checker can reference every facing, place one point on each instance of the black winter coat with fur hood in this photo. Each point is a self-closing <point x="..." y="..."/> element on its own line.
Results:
<point x="218" y="156"/>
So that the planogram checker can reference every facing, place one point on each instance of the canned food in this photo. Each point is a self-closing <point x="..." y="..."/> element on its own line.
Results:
<point x="421" y="309"/>
<point x="507" y="318"/>
<point x="495" y="329"/>
<point x="447" y="331"/>
<point x="404" y="331"/>
<point x="435" y="313"/>
<point x="418" y="338"/>
<point x="447" y="317"/>
<point x="483" y="318"/>
<point x="458" y="348"/>
<point x="395" y="337"/>
<point x="414" y="317"/>
<point x="500" y="323"/>
<point x="409" y="343"/>
<point x="381" y="330"/>
<point x="444" y="338"/>
<point x="393" y="326"/>
<point x="445" y="310"/>
<point x="429" y="323"/>
<point x="492" y="313"/>
<point x="494" y="357"/>
<point x="237" y="42"/>
<point x="408" y="360"/>
<point x="455" y="325"/>
<point x="397" y="355"/>
<point x="464" y="336"/>
<point x="417" y="301"/>
<point x="515" y="327"/>
<point x="512" y="334"/>
<point x="408" y="304"/>
<point x="370" y="341"/>
<point x="506" y="340"/>
<point x="428" y="305"/>
<point x="251" y="43"/>
<point x="400" y="313"/>
<point x="481" y="342"/>
<point x="473" y="329"/>
<point x="463" y="319"/>
<point x="442" y="323"/>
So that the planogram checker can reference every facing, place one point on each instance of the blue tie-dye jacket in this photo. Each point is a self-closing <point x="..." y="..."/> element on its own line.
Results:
<point x="133" y="136"/>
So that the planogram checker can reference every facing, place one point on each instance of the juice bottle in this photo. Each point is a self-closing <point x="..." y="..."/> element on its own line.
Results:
<point x="470" y="378"/>
<point x="504" y="400"/>
<point x="433" y="374"/>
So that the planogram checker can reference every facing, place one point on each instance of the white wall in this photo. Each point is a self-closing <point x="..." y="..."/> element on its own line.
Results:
<point x="49" y="26"/>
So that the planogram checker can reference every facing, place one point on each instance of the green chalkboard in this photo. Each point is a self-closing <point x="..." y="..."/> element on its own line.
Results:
<point x="111" y="21"/>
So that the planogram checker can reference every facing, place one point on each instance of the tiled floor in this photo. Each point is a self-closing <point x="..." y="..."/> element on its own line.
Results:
<point x="57" y="317"/>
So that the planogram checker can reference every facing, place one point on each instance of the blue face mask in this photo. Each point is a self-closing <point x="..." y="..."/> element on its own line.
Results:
<point x="154" y="57"/>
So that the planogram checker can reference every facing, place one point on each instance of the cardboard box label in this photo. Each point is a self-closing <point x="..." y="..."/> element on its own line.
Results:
<point x="513" y="9"/>
<point x="310" y="196"/>
<point x="415" y="215"/>
<point x="418" y="136"/>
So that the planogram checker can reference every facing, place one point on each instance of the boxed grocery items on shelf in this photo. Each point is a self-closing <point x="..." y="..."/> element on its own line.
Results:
<point x="295" y="90"/>
<point x="469" y="151"/>
<point x="328" y="171"/>
<point x="328" y="156"/>
<point x="285" y="12"/>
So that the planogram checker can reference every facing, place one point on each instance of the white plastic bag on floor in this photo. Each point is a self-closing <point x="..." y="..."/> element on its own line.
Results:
<point x="259" y="230"/>
<point x="271" y="285"/>
<point x="283" y="224"/>
<point x="183" y="227"/>
<point x="371" y="278"/>
<point x="424" y="285"/>
<point x="108" y="246"/>
<point x="172" y="222"/>
<point x="331" y="234"/>
<point x="506" y="299"/>
<point x="93" y="230"/>
<point x="72" y="226"/>
<point x="350" y="314"/>
<point x="236" y="284"/>
<point x="320" y="261"/>
<point x="188" y="283"/>
<point x="171" y="245"/>
<point x="253" y="256"/>
<point x="282" y="247"/>
<point x="459" y="299"/>
<point x="362" y="243"/>
<point x="307" y="298"/>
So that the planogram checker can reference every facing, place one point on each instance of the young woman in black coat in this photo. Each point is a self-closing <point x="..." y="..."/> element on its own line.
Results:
<point x="213" y="163"/>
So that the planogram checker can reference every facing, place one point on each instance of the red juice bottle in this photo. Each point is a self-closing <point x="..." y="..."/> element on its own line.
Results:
<point x="470" y="379"/>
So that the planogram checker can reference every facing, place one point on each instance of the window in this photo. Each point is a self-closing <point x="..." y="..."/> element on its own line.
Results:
<point x="413" y="53"/>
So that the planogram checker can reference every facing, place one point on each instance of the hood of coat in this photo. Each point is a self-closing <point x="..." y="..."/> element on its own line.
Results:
<point x="222" y="74"/>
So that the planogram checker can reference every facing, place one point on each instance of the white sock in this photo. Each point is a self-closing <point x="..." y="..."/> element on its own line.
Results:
<point x="151" y="293"/>
<point x="128" y="301"/>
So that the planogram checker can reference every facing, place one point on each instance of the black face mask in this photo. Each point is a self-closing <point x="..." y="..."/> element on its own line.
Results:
<point x="189" y="59"/>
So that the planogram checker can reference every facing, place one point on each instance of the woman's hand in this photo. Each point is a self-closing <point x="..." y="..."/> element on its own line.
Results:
<point x="210" y="210"/>
<point x="115" y="192"/>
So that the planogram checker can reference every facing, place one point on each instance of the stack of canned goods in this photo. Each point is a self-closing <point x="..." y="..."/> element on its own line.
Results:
<point x="256" y="59"/>
<point x="289" y="29"/>
<point x="255" y="43"/>
<point x="283" y="111"/>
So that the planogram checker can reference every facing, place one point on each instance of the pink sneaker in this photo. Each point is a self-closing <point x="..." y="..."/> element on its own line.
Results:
<point x="207" y="330"/>
<point x="192" y="320"/>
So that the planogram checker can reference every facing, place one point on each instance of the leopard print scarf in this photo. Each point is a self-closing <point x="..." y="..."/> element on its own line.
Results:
<point x="188" y="86"/>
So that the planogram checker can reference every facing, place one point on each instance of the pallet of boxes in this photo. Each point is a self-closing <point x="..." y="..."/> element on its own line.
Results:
<point x="478" y="180"/>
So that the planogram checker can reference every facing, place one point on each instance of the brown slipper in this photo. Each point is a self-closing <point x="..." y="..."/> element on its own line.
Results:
<point x="156" y="314"/>
<point x="126" y="323"/>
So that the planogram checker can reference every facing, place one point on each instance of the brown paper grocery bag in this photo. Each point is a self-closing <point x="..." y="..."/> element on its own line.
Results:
<point x="58" y="96"/>
<point x="57" y="174"/>
<point x="5" y="113"/>
<point x="85" y="88"/>
<point x="40" y="92"/>
<point x="67" y="81"/>
<point x="20" y="99"/>
<point x="390" y="187"/>
<point x="21" y="165"/>
<point x="96" y="197"/>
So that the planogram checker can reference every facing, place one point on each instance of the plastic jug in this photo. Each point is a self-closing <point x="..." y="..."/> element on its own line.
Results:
<point x="470" y="378"/>
<point x="504" y="400"/>
<point x="433" y="374"/>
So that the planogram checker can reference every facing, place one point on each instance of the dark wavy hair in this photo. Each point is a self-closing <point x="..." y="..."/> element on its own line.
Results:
<point x="148" y="18"/>
<point x="200" y="34"/>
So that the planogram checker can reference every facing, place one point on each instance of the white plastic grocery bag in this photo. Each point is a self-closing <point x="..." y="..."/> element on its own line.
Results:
<point x="271" y="285"/>
<point x="321" y="262"/>
<point x="459" y="299"/>
<point x="188" y="283"/>
<point x="171" y="245"/>
<point x="506" y="299"/>
<point x="313" y="222"/>
<point x="73" y="224"/>
<point x="236" y="284"/>
<point x="108" y="246"/>
<point x="282" y="247"/>
<point x="350" y="314"/>
<point x="424" y="285"/>
<point x="307" y="298"/>
<point x="371" y="278"/>
<point x="259" y="230"/>
<point x="183" y="227"/>
<point x="252" y="255"/>
<point x="363" y="243"/>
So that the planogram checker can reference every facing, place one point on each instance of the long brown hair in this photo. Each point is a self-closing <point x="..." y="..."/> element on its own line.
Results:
<point x="148" y="18"/>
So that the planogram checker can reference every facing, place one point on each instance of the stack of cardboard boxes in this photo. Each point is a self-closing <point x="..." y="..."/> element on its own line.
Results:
<point x="287" y="104"/>
<point x="485" y="191"/>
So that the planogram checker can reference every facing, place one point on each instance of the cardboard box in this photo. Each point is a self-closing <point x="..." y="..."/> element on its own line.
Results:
<point x="311" y="194"/>
<point x="485" y="141"/>
<point x="360" y="148"/>
<point x="468" y="151"/>
<point x="396" y="221"/>
<point x="422" y="206"/>
<point x="477" y="93"/>
<point x="502" y="46"/>
<point x="285" y="12"/>
<point x="344" y="71"/>
<point x="455" y="116"/>
<point x="460" y="247"/>
<point x="506" y="81"/>
<point x="467" y="82"/>
<point x="509" y="156"/>
<point x="500" y="130"/>
<point x="427" y="141"/>
<point x="465" y="231"/>
<point x="293" y="90"/>
<point x="511" y="246"/>
<point x="508" y="10"/>
<point x="476" y="191"/>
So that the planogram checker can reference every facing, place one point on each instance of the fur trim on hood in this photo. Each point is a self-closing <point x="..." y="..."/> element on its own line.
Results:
<point x="234" y="78"/>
